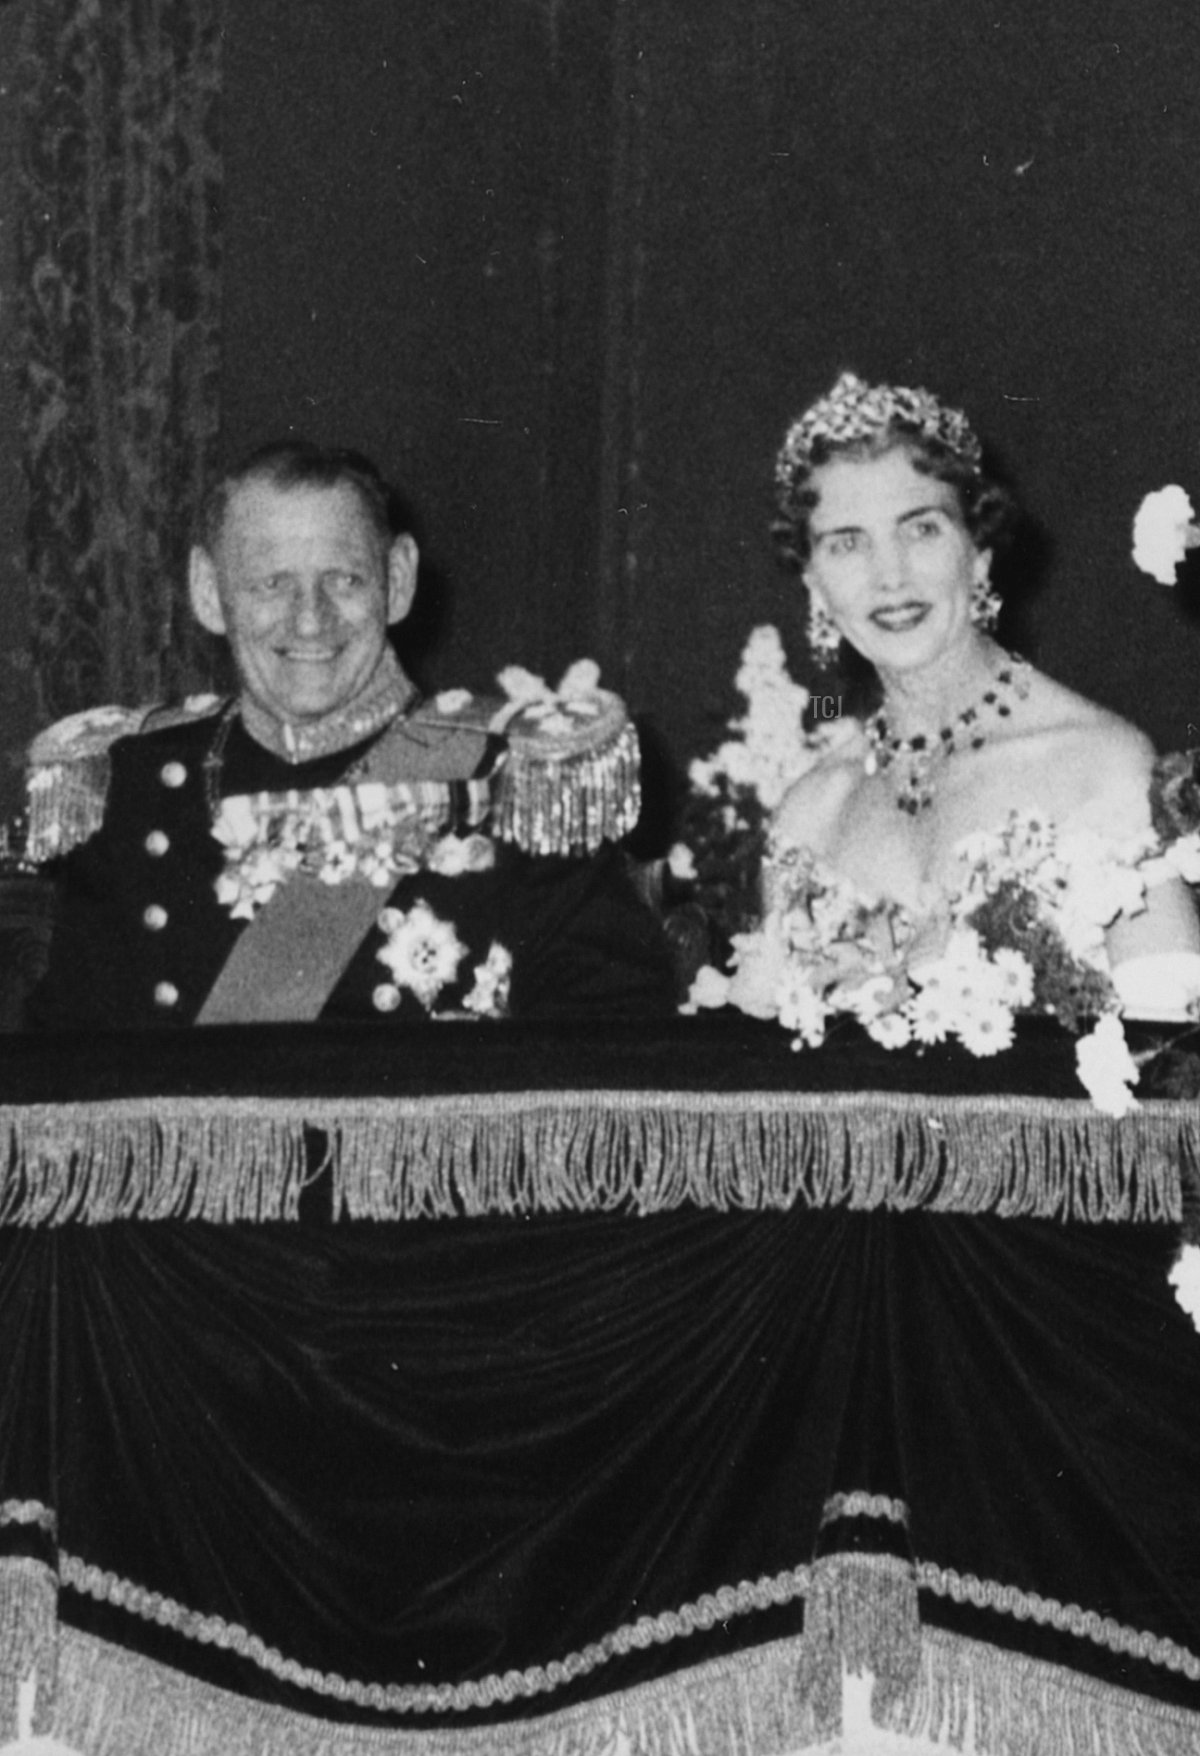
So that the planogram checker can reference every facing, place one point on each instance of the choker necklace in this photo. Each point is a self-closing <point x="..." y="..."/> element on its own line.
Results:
<point x="966" y="731"/>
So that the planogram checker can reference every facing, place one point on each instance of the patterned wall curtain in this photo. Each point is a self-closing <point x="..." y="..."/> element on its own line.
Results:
<point x="120" y="272"/>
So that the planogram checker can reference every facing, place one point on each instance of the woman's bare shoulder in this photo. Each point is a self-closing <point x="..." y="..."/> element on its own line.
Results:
<point x="1059" y="711"/>
<point x="1095" y="754"/>
<point x="813" y="804"/>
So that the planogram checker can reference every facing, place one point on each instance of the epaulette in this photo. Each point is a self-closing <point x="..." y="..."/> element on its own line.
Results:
<point x="67" y="770"/>
<point x="570" y="776"/>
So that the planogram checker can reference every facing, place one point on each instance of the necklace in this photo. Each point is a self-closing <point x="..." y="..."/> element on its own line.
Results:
<point x="921" y="752"/>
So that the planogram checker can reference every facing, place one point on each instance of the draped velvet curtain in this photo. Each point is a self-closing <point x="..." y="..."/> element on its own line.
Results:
<point x="120" y="268"/>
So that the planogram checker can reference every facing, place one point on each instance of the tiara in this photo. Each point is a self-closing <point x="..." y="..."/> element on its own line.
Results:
<point x="854" y="410"/>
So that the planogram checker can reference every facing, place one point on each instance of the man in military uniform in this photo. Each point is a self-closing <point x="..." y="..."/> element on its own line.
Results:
<point x="326" y="844"/>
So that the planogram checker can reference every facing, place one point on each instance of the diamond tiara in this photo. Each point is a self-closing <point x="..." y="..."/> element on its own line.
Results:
<point x="854" y="411"/>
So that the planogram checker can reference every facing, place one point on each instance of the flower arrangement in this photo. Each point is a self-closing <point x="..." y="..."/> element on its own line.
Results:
<point x="369" y="830"/>
<point x="732" y="792"/>
<point x="1023" y="930"/>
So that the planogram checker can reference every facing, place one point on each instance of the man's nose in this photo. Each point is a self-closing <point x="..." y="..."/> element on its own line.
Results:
<point x="310" y="607"/>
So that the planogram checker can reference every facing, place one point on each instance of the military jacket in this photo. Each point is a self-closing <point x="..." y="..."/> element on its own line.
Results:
<point x="143" y="934"/>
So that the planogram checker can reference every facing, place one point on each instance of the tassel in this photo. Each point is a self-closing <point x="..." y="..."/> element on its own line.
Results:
<point x="28" y="1638"/>
<point x="861" y="1615"/>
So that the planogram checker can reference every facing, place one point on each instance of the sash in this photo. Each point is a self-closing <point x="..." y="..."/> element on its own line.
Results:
<point x="291" y="956"/>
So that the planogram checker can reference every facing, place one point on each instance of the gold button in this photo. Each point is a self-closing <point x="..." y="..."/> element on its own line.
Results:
<point x="155" y="917"/>
<point x="166" y="994"/>
<point x="157" y="843"/>
<point x="173" y="775"/>
<point x="386" y="998"/>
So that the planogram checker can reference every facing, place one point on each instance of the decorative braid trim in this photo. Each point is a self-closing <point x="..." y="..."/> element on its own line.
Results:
<point x="28" y="1512"/>
<point x="490" y="1691"/>
<point x="862" y="1505"/>
<point x="586" y="1151"/>
<point x="1029" y="1606"/>
<point x="855" y="1582"/>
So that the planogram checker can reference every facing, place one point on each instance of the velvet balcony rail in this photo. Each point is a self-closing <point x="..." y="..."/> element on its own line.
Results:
<point x="497" y="1391"/>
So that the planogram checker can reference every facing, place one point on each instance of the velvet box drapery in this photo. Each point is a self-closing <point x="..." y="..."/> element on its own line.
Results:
<point x="499" y="1390"/>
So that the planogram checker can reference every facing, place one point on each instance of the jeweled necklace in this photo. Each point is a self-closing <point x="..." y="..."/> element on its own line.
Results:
<point x="924" y="750"/>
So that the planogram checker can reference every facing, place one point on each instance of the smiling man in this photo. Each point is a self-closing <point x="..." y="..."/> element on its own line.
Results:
<point x="325" y="843"/>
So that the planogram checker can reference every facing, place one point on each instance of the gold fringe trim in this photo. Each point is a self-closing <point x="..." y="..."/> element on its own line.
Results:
<point x="116" y="1703"/>
<point x="222" y="1159"/>
<point x="1010" y="1705"/>
<point x="28" y="1637"/>
<point x="570" y="803"/>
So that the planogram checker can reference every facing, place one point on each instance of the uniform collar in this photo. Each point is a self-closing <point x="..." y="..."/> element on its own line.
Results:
<point x="388" y="694"/>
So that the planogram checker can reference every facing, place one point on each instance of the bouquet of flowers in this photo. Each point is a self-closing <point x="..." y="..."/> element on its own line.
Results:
<point x="716" y="866"/>
<point x="1023" y="930"/>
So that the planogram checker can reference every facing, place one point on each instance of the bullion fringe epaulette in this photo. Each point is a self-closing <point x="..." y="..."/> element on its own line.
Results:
<point x="569" y="778"/>
<point x="68" y="770"/>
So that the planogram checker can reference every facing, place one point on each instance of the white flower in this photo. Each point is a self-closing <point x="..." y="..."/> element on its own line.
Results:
<point x="1185" y="1278"/>
<point x="891" y="1029"/>
<point x="493" y="981"/>
<point x="985" y="1030"/>
<point x="422" y="952"/>
<point x="760" y="964"/>
<point x="802" y="1009"/>
<point x="1014" y="977"/>
<point x="453" y="855"/>
<point x="709" y="989"/>
<point x="1161" y="531"/>
<point x="1106" y="1069"/>
<point x="867" y="1000"/>
<point x="929" y="1015"/>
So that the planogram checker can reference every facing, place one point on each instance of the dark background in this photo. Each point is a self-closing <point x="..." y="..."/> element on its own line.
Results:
<point x="568" y="267"/>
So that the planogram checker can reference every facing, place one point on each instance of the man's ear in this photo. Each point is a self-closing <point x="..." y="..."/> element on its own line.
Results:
<point x="401" y="577"/>
<point x="202" y="591"/>
<point x="982" y="569"/>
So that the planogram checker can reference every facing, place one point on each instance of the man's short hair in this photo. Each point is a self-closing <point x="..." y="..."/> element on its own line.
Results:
<point x="298" y="463"/>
